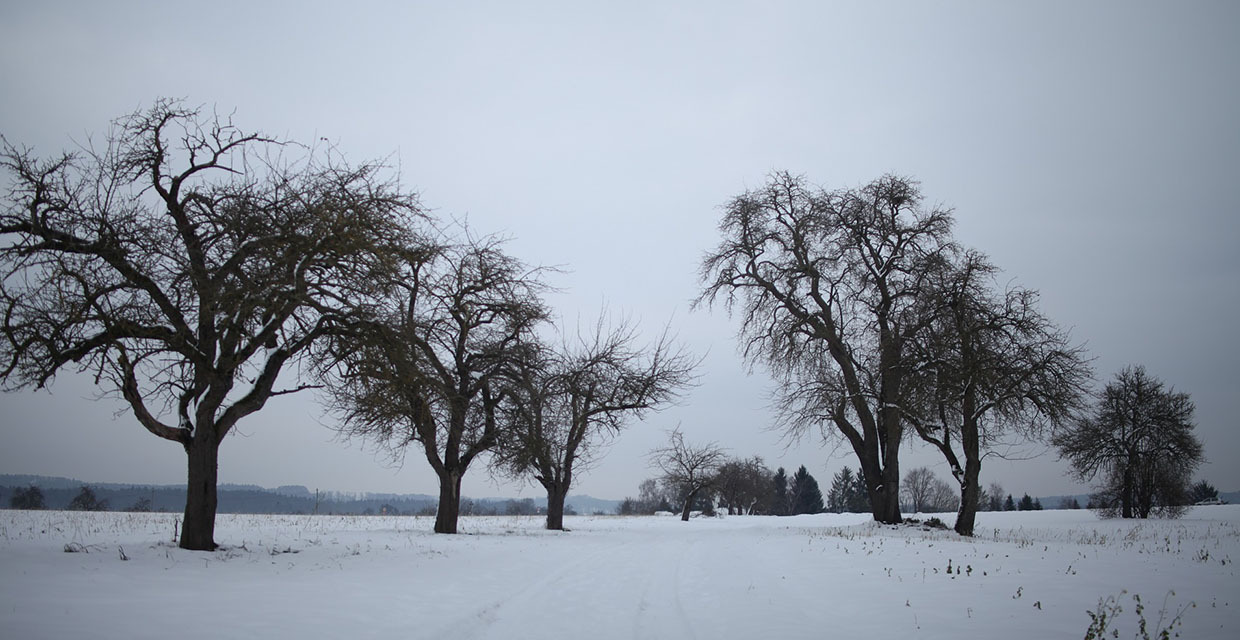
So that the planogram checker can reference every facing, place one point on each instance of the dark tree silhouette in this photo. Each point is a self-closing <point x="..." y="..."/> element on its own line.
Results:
<point x="780" y="498"/>
<point x="690" y="469"/>
<point x="186" y="265"/>
<point x="431" y="369"/>
<point x="744" y="486"/>
<point x="828" y="285"/>
<point x="27" y="498"/>
<point x="86" y="500"/>
<point x="990" y="366"/>
<point x="566" y="403"/>
<point x="806" y="495"/>
<point x="1140" y="441"/>
<point x="1201" y="490"/>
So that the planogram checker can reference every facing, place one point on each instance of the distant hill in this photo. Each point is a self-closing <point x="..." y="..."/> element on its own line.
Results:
<point x="235" y="498"/>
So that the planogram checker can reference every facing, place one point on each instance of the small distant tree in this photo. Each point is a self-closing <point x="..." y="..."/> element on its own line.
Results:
<point x="916" y="488"/>
<point x="1202" y="490"/>
<point x="1069" y="503"/>
<point x="1009" y="504"/>
<point x="994" y="497"/>
<point x="1025" y="504"/>
<point x="652" y="497"/>
<point x="141" y="505"/>
<point x="806" y="495"/>
<point x="1140" y="442"/>
<point x="744" y="485"/>
<point x="689" y="468"/>
<point x="27" y="498"/>
<point x="86" y="500"/>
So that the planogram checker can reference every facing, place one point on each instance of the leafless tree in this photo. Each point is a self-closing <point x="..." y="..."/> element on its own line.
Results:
<point x="1140" y="440"/>
<point x="688" y="469"/>
<point x="187" y="264"/>
<point x="432" y="369"/>
<point x="989" y="367"/>
<point x="828" y="285"/>
<point x="565" y="404"/>
<point x="744" y="485"/>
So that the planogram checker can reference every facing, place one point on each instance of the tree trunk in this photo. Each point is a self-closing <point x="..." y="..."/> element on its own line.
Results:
<point x="884" y="493"/>
<point x="449" y="502"/>
<point x="198" y="527"/>
<point x="684" y="512"/>
<point x="969" y="494"/>
<point x="555" y="506"/>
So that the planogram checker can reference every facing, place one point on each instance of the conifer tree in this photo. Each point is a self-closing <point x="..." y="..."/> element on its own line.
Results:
<point x="806" y="496"/>
<point x="779" y="502"/>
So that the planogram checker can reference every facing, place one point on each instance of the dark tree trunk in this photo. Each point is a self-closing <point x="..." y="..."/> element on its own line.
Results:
<point x="555" y="507"/>
<point x="449" y="503"/>
<point x="884" y="491"/>
<point x="969" y="494"/>
<point x="198" y="527"/>
<point x="684" y="512"/>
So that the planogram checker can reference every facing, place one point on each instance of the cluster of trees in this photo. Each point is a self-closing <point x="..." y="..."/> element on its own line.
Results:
<point x="876" y="324"/>
<point x="703" y="478"/>
<point x="198" y="270"/>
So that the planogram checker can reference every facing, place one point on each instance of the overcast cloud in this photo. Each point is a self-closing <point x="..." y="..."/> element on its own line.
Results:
<point x="1091" y="149"/>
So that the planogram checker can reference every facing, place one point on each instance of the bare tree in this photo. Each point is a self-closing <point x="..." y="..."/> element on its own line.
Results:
<point x="431" y="370"/>
<point x="689" y="469"/>
<point x="566" y="404"/>
<point x="1140" y="440"/>
<point x="917" y="487"/>
<point x="744" y="485"/>
<point x="989" y="366"/>
<point x="186" y="264"/>
<point x="827" y="286"/>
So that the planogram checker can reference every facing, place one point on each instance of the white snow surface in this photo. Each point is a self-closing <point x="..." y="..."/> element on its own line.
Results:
<point x="1025" y="575"/>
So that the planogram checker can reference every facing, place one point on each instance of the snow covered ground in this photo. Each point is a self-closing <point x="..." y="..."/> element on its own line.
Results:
<point x="1026" y="575"/>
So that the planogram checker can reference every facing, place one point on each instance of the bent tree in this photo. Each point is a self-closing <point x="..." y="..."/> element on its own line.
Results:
<point x="828" y="286"/>
<point x="430" y="370"/>
<point x="990" y="367"/>
<point x="186" y="264"/>
<point x="687" y="469"/>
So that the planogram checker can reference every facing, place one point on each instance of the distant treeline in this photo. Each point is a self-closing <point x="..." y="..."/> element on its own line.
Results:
<point x="58" y="493"/>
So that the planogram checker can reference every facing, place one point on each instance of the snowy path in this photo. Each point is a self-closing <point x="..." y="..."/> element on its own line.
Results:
<point x="1025" y="576"/>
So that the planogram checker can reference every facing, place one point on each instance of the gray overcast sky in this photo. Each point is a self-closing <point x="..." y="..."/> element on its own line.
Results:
<point x="1092" y="149"/>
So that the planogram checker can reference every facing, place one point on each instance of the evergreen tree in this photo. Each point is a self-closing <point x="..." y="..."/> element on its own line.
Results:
<point x="1009" y="504"/>
<point x="1026" y="503"/>
<point x="779" y="503"/>
<point x="1201" y="491"/>
<point x="806" y="496"/>
<point x="840" y="494"/>
<point x="859" y="499"/>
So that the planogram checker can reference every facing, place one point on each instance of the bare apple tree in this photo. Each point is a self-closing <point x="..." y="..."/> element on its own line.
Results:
<point x="568" y="402"/>
<point x="689" y="469"/>
<point x="991" y="369"/>
<point x="828" y="287"/>
<point x="431" y="370"/>
<point x="186" y="264"/>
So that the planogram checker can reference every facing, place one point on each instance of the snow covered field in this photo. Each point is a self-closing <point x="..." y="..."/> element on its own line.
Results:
<point x="1027" y="575"/>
